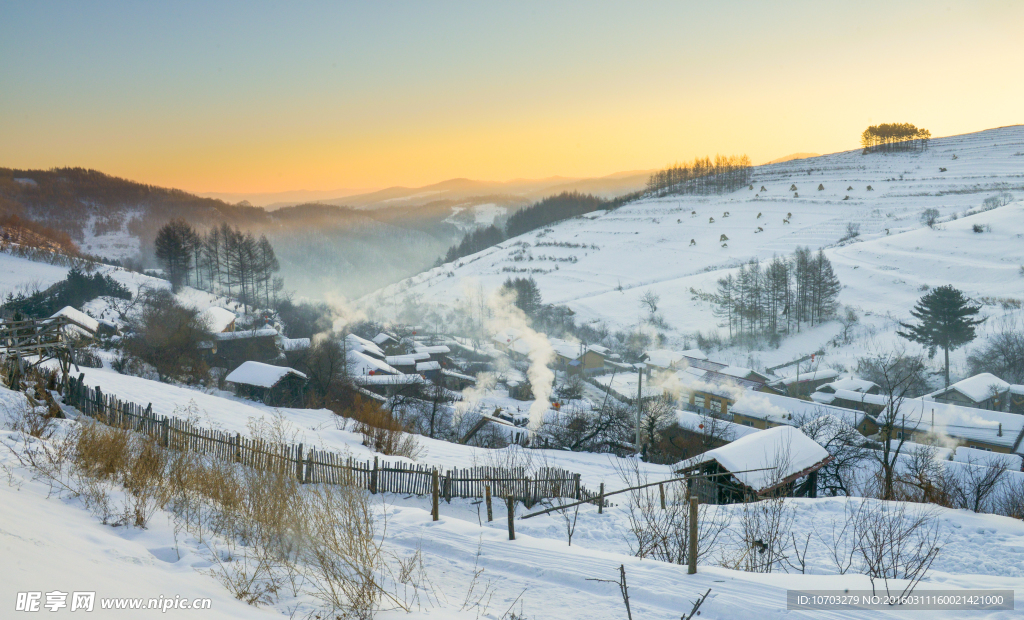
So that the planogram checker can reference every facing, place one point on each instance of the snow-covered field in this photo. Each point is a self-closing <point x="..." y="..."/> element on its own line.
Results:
<point x="602" y="263"/>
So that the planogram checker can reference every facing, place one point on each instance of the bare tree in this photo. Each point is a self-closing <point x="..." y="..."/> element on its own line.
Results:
<point x="650" y="300"/>
<point x="897" y="375"/>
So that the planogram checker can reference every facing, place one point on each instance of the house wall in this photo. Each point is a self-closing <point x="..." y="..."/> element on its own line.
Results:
<point x="711" y="402"/>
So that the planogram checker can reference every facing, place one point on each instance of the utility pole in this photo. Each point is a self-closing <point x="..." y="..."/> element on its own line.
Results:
<point x="639" y="402"/>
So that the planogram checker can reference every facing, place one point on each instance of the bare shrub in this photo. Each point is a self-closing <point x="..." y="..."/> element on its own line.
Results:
<point x="894" y="542"/>
<point x="663" y="534"/>
<point x="384" y="431"/>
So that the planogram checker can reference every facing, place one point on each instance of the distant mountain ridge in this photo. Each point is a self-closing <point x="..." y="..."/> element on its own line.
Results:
<point x="608" y="186"/>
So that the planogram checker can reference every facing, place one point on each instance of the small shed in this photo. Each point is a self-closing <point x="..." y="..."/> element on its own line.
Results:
<point x="784" y="461"/>
<point x="272" y="385"/>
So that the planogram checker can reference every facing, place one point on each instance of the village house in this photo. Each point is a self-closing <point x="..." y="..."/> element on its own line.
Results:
<point x="984" y="391"/>
<point x="278" y="386"/>
<point x="765" y="410"/>
<point x="780" y="461"/>
<point x="932" y="422"/>
<point x="715" y="391"/>
<point x="577" y="358"/>
<point x="229" y="350"/>
<point x="871" y="403"/>
<point x="390" y="385"/>
<point x="389" y="343"/>
<point x="803" y="384"/>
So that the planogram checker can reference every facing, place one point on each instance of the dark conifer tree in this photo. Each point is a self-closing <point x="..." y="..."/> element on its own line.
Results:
<point x="945" y="320"/>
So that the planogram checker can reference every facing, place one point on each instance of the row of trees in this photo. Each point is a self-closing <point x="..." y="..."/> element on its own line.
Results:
<point x="894" y="137"/>
<point x="765" y="300"/>
<point x="547" y="211"/>
<point x="224" y="260"/>
<point x="702" y="176"/>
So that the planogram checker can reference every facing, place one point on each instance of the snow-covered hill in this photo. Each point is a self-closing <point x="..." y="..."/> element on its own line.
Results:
<point x="602" y="263"/>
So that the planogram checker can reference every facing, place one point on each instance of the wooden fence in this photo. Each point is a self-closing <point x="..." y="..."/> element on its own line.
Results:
<point x="318" y="466"/>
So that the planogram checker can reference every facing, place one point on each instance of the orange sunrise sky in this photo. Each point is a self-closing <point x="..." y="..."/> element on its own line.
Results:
<point x="261" y="97"/>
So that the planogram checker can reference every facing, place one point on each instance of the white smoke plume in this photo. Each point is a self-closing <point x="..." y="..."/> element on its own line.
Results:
<point x="472" y="395"/>
<point x="343" y="313"/>
<point x="505" y="315"/>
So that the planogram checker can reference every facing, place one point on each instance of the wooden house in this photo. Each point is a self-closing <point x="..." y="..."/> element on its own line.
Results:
<point x="277" y="386"/>
<point x="984" y="391"/>
<point x="232" y="349"/>
<point x="780" y="461"/>
<point x="802" y="385"/>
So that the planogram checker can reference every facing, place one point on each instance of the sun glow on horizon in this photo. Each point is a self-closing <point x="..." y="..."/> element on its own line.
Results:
<point x="228" y="99"/>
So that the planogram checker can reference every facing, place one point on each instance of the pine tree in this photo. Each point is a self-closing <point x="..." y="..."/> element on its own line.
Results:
<point x="945" y="320"/>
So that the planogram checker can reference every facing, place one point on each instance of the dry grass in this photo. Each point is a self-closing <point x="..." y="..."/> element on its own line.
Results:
<point x="383" y="431"/>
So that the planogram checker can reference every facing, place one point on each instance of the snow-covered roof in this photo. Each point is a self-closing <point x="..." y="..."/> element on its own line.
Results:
<point x="910" y="448"/>
<point x="246" y="333"/>
<point x="784" y="449"/>
<point x="977" y="388"/>
<point x="403" y="360"/>
<point x="963" y="454"/>
<point x="729" y="430"/>
<point x="218" y="319"/>
<point x="438" y="349"/>
<point x="359" y="363"/>
<point x="570" y="350"/>
<point x="425" y="366"/>
<point x="355" y="343"/>
<point x="852" y="384"/>
<point x="739" y="372"/>
<point x="295" y="344"/>
<point x="79" y="317"/>
<point x="778" y="409"/>
<point x="382" y="337"/>
<point x="850" y="395"/>
<point x="965" y="423"/>
<point x="387" y="379"/>
<point x="457" y="375"/>
<point x="1017" y="389"/>
<point x="260" y="374"/>
<point x="817" y="375"/>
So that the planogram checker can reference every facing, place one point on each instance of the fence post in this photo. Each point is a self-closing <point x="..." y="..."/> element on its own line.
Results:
<point x="448" y="487"/>
<point x="373" y="476"/>
<point x="511" y="505"/>
<point x="238" y="447"/>
<point x="600" y="500"/>
<point x="434" y="512"/>
<point x="309" y="466"/>
<point x="661" y="492"/>
<point x="576" y="478"/>
<point x="298" y="464"/>
<point x="487" y="498"/>
<point x="691" y="554"/>
<point x="165" y="432"/>
<point x="99" y="404"/>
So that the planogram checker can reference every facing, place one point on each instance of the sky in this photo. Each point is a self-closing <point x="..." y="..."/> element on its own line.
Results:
<point x="264" y="97"/>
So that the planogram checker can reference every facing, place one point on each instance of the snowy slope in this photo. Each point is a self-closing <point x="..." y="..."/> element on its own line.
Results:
<point x="600" y="264"/>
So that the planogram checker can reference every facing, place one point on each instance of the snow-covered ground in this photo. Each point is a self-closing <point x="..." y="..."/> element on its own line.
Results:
<point x="602" y="263"/>
<point x="52" y="542"/>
